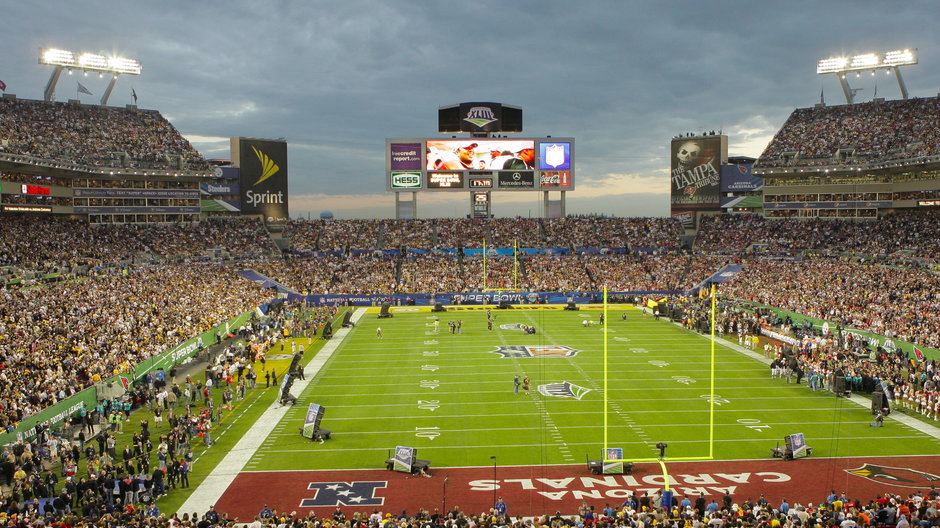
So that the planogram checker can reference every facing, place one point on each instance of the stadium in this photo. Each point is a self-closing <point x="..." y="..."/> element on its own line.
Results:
<point x="178" y="351"/>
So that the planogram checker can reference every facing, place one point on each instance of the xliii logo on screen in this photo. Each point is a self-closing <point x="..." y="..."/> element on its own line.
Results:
<point x="480" y="116"/>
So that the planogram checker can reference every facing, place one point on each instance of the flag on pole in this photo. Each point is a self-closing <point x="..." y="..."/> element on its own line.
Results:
<point x="918" y="353"/>
<point x="3" y="86"/>
<point x="82" y="89"/>
<point x="134" y="95"/>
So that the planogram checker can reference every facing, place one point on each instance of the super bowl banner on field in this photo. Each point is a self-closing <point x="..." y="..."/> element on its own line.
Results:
<point x="263" y="169"/>
<point x="696" y="172"/>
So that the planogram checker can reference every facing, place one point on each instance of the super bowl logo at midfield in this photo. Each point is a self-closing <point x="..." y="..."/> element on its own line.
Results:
<point x="540" y="351"/>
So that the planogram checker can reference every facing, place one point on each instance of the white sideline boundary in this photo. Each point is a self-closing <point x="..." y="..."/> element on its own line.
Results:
<point x="211" y="489"/>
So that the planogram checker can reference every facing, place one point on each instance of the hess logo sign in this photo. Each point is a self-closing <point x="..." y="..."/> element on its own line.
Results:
<point x="406" y="180"/>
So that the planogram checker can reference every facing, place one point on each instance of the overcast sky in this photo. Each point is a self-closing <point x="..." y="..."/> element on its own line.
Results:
<point x="335" y="78"/>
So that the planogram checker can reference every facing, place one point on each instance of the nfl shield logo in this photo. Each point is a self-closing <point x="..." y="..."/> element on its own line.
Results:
<point x="555" y="155"/>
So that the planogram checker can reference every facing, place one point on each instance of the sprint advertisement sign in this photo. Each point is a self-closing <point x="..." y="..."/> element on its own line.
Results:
<point x="263" y="164"/>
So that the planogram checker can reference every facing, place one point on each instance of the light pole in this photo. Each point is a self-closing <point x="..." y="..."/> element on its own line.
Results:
<point x="493" y="458"/>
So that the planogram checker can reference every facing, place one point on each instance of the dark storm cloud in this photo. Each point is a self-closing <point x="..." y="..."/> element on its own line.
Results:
<point x="336" y="78"/>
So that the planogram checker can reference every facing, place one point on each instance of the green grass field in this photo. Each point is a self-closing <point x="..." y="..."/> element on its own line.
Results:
<point x="451" y="396"/>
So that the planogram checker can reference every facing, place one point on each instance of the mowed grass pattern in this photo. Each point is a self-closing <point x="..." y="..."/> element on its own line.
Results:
<point x="451" y="396"/>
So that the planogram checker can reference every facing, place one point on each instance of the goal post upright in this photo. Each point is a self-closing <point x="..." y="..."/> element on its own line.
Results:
<point x="711" y="399"/>
<point x="484" y="263"/>
<point x="711" y="395"/>
<point x="605" y="372"/>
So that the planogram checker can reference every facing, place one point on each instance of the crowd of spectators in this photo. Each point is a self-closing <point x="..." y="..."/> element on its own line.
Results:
<point x="91" y="135"/>
<point x="409" y="233"/>
<point x="902" y="304"/>
<point x="598" y="231"/>
<point x="461" y="232"/>
<point x="501" y="272"/>
<point x="58" y="339"/>
<point x="453" y="233"/>
<point x="125" y="471"/>
<point x="333" y="235"/>
<point x="640" y="272"/>
<point x="913" y="230"/>
<point x="556" y="274"/>
<point x="430" y="274"/>
<point x="364" y="274"/>
<point x="510" y="232"/>
<point x="52" y="242"/>
<point x="875" y="131"/>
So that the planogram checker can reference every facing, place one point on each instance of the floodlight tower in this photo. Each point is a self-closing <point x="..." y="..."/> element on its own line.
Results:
<point x="85" y="62"/>
<point x="873" y="62"/>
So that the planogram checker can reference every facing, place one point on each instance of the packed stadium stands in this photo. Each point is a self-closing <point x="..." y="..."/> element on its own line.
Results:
<point x="94" y="136"/>
<point x="871" y="132"/>
<point x="80" y="303"/>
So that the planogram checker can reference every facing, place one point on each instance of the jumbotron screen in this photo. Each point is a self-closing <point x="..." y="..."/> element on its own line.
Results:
<point x="530" y="164"/>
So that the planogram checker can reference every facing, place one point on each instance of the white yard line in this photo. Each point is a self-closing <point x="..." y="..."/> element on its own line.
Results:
<point x="211" y="489"/>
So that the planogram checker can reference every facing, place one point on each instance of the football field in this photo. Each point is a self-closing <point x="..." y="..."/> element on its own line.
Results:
<point x="451" y="396"/>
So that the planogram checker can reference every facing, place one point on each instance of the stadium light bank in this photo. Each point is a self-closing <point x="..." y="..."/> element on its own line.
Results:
<point x="890" y="61"/>
<point x="85" y="62"/>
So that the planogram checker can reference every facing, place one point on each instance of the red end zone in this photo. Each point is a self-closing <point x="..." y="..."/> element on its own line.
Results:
<point x="546" y="489"/>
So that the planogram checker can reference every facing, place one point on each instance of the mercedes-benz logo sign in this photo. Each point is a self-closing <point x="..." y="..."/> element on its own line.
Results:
<point x="516" y="176"/>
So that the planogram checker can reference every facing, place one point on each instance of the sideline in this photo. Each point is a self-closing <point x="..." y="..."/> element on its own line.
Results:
<point x="861" y="401"/>
<point x="212" y="488"/>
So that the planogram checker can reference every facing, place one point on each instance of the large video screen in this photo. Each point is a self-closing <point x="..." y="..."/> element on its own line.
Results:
<point x="480" y="154"/>
<point x="500" y="164"/>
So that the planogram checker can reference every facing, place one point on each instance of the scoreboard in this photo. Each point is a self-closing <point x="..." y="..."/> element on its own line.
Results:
<point x="479" y="164"/>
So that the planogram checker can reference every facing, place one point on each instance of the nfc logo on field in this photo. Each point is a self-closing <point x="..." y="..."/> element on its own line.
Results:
<point x="406" y="180"/>
<point x="344" y="493"/>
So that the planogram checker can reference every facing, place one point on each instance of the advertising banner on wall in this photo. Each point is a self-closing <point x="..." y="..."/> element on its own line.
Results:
<point x="696" y="172"/>
<point x="739" y="178"/>
<point x="405" y="156"/>
<point x="263" y="169"/>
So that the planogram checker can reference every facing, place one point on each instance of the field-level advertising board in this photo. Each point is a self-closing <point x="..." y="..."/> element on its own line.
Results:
<point x="404" y="459"/>
<point x="312" y="420"/>
<point x="614" y="455"/>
